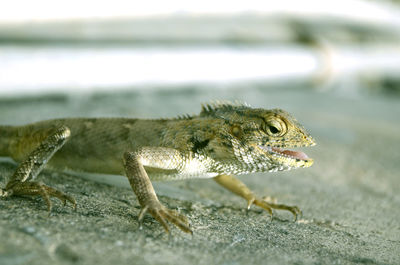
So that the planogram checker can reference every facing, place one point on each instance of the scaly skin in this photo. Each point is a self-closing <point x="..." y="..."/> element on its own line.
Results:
<point x="223" y="140"/>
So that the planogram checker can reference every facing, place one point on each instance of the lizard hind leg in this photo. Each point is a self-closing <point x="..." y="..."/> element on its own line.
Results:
<point x="22" y="181"/>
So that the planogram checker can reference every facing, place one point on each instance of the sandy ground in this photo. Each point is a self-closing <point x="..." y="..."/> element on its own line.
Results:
<point x="350" y="197"/>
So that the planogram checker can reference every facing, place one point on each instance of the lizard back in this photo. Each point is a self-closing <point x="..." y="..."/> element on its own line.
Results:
<point x="96" y="144"/>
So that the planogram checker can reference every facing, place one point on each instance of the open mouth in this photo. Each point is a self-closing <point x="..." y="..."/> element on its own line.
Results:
<point x="289" y="153"/>
<point x="286" y="153"/>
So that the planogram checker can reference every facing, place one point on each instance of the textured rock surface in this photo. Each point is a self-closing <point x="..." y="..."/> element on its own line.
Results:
<point x="350" y="197"/>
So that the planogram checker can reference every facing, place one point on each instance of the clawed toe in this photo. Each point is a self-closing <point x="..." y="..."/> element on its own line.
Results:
<point x="269" y="206"/>
<point x="293" y="209"/>
<point x="178" y="220"/>
<point x="173" y="217"/>
<point x="296" y="212"/>
<point x="163" y="214"/>
<point x="46" y="192"/>
<point x="64" y="198"/>
<point x="264" y="205"/>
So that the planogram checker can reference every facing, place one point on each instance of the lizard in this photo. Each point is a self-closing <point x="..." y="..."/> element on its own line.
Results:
<point x="226" y="139"/>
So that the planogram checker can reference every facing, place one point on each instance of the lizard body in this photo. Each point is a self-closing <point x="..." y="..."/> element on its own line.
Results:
<point x="222" y="141"/>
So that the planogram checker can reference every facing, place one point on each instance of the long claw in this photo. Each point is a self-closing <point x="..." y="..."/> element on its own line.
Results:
<point x="250" y="203"/>
<point x="46" y="192"/>
<point x="160" y="218"/>
<point x="42" y="191"/>
<point x="142" y="212"/>
<point x="265" y="205"/>
<point x="163" y="214"/>
<point x="179" y="220"/>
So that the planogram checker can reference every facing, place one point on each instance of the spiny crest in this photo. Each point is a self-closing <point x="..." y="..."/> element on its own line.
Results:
<point x="212" y="108"/>
<point x="184" y="117"/>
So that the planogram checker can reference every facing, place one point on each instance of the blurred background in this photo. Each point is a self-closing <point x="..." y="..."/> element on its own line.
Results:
<point x="348" y="46"/>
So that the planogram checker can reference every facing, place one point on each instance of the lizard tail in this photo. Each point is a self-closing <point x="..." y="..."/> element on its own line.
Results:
<point x="6" y="133"/>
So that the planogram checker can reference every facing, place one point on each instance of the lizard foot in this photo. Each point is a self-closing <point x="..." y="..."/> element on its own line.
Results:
<point x="268" y="206"/>
<point x="162" y="214"/>
<point x="37" y="188"/>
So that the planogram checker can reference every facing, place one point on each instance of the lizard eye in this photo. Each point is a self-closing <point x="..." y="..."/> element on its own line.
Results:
<point x="275" y="127"/>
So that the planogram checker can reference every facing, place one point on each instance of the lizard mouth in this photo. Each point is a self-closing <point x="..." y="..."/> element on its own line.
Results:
<point x="289" y="153"/>
<point x="286" y="153"/>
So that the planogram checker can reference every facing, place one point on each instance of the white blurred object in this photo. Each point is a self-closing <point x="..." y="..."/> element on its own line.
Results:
<point x="39" y="10"/>
<point x="51" y="69"/>
<point x="55" y="68"/>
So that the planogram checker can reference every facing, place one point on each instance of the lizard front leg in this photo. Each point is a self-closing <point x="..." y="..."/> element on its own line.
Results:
<point x="141" y="185"/>
<point x="22" y="181"/>
<point x="236" y="186"/>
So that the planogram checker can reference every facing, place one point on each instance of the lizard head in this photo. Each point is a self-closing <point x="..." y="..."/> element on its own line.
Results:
<point x="256" y="139"/>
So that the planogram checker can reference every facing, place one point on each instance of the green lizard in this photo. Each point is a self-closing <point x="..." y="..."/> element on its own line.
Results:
<point x="224" y="140"/>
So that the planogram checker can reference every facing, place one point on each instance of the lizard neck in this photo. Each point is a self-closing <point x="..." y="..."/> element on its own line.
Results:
<point x="190" y="135"/>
